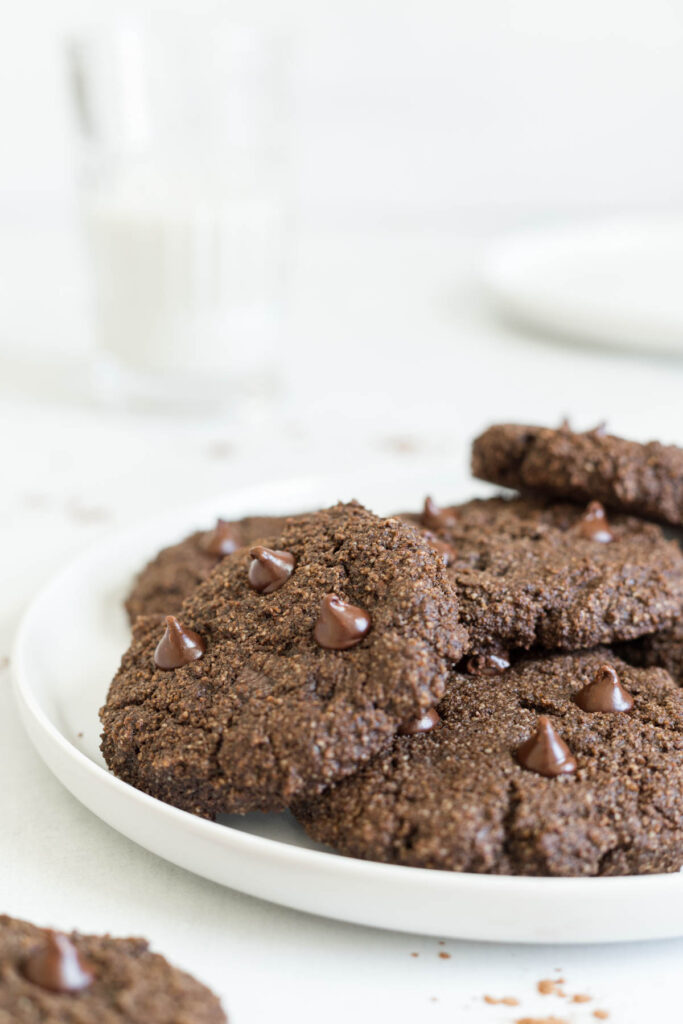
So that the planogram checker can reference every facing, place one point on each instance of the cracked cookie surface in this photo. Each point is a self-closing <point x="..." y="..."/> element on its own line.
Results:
<point x="644" y="479"/>
<point x="173" y="574"/>
<point x="130" y="985"/>
<point x="527" y="576"/>
<point x="268" y="713"/>
<point x="456" y="798"/>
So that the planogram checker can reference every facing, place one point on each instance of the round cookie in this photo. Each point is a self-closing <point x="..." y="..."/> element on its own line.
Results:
<point x="644" y="479"/>
<point x="165" y="582"/>
<point x="457" y="798"/>
<point x="50" y="978"/>
<point x="271" y="710"/>
<point x="530" y="573"/>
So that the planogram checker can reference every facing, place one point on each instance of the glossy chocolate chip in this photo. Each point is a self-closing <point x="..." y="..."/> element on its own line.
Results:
<point x="593" y="524"/>
<point x="488" y="664"/>
<point x="421" y="723"/>
<point x="340" y="625"/>
<point x="222" y="540"/>
<point x="269" y="569"/>
<point x="178" y="646"/>
<point x="435" y="518"/>
<point x="605" y="693"/>
<point x="58" y="966"/>
<point x="545" y="752"/>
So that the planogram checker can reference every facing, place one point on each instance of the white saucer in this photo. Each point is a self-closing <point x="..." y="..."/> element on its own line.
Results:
<point x="68" y="647"/>
<point x="614" y="282"/>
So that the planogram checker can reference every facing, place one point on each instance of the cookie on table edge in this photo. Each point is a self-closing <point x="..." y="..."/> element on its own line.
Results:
<point x="48" y="977"/>
<point x="164" y="583"/>
<point x="533" y="573"/>
<point x="292" y="689"/>
<point x="643" y="479"/>
<point x="457" y="798"/>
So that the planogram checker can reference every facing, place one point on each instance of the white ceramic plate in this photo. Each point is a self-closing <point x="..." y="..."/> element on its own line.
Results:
<point x="614" y="282"/>
<point x="67" y="649"/>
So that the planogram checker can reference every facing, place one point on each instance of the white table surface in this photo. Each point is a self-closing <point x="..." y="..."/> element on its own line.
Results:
<point x="393" y="361"/>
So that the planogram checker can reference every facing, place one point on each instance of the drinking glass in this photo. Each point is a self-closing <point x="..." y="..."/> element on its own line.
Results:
<point x="182" y="127"/>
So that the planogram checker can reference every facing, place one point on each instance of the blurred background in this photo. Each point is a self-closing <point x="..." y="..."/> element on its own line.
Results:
<point x="263" y="240"/>
<point x="243" y="244"/>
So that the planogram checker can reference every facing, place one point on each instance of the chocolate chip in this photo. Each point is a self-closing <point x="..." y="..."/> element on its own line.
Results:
<point x="58" y="966"/>
<point x="435" y="518"/>
<point x="422" y="723"/>
<point x="488" y="664"/>
<point x="605" y="693"/>
<point x="340" y="625"/>
<point x="593" y="524"/>
<point x="178" y="646"/>
<point x="545" y="752"/>
<point x="269" y="569"/>
<point x="222" y="540"/>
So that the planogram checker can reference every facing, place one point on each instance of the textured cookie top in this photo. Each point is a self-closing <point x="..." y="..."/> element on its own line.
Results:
<point x="123" y="982"/>
<point x="269" y="710"/>
<point x="163" y="584"/>
<point x="646" y="479"/>
<point x="532" y="573"/>
<point x="456" y="797"/>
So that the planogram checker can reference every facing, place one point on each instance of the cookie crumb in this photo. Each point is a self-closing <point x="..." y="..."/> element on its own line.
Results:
<point x="34" y="500"/>
<point x="220" y="450"/>
<point x="542" y="1020"/>
<point x="581" y="997"/>
<point x="445" y="956"/>
<point x="550" y="987"/>
<point x="414" y="954"/>
<point x="80" y="735"/>
<point x="401" y="445"/>
<point x="503" y="1001"/>
<point x="601" y="1014"/>
<point x="86" y="514"/>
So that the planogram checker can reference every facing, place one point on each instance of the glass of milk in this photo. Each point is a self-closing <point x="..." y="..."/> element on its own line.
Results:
<point x="182" y="127"/>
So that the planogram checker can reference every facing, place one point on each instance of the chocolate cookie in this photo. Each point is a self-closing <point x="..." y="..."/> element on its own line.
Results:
<point x="530" y="573"/>
<point x="537" y="774"/>
<point x="296" y="660"/>
<point x="48" y="977"/>
<point x="664" y="649"/>
<point x="162" y="586"/>
<point x="645" y="479"/>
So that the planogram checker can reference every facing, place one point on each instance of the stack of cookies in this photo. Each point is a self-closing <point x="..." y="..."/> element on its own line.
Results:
<point x="488" y="687"/>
